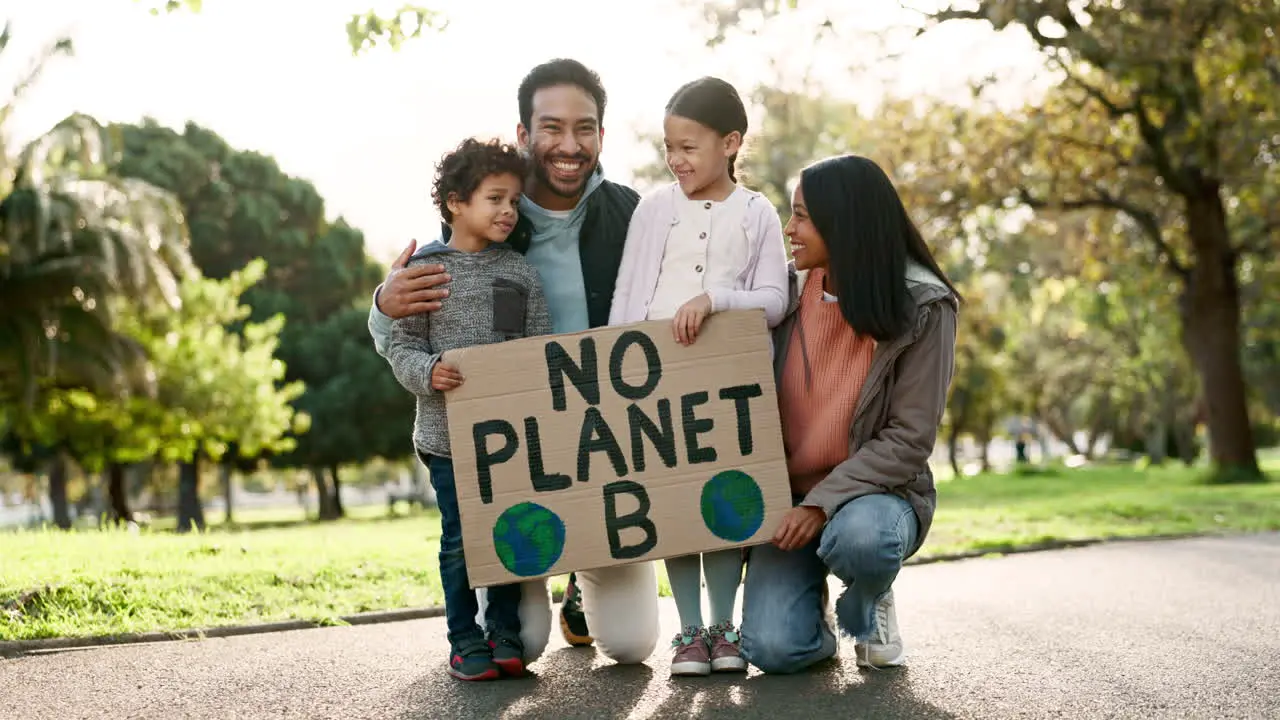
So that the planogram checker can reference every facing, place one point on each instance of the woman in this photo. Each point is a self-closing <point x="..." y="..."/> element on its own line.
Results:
<point x="863" y="363"/>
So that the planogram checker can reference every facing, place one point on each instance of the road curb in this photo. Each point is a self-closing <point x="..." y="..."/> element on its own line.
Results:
<point x="17" y="648"/>
<point x="1002" y="550"/>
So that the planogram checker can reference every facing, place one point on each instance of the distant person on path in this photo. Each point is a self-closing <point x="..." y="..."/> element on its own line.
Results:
<point x="701" y="245"/>
<point x="863" y="361"/>
<point x="498" y="297"/>
<point x="572" y="226"/>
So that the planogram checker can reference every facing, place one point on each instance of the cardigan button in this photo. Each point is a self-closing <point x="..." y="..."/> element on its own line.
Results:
<point x="707" y="205"/>
<point x="697" y="268"/>
<point x="702" y="236"/>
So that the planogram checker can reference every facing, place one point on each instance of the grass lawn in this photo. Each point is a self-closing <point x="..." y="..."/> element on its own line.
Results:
<point x="55" y="584"/>
<point x="1002" y="512"/>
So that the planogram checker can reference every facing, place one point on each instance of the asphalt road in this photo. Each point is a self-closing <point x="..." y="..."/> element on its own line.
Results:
<point x="1181" y="629"/>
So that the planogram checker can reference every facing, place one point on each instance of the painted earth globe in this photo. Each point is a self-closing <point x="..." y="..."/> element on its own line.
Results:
<point x="528" y="539"/>
<point x="732" y="506"/>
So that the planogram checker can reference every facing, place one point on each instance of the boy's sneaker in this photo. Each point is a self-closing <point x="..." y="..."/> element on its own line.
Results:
<point x="884" y="648"/>
<point x="573" y="621"/>
<point x="692" y="654"/>
<point x="508" y="652"/>
<point x="472" y="660"/>
<point x="726" y="648"/>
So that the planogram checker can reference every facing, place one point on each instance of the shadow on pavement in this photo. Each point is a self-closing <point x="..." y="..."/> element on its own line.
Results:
<point x="580" y="683"/>
<point x="836" y="689"/>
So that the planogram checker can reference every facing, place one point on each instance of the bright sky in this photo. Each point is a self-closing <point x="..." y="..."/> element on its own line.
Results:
<point x="278" y="76"/>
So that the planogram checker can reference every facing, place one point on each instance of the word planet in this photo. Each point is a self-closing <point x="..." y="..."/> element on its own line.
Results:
<point x="528" y="539"/>
<point x="732" y="506"/>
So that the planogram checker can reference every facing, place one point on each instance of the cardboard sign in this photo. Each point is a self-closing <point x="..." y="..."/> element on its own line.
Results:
<point x="614" y="446"/>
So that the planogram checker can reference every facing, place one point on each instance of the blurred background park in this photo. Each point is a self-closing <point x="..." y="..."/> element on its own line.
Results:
<point x="198" y="199"/>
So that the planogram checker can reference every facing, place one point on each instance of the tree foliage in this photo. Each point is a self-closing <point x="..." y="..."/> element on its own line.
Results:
<point x="74" y="237"/>
<point x="240" y="205"/>
<point x="365" y="31"/>
<point x="209" y="386"/>
<point x="1164" y="116"/>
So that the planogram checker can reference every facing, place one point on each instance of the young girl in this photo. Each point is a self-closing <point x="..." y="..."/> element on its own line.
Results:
<point x="701" y="245"/>
<point x="496" y="295"/>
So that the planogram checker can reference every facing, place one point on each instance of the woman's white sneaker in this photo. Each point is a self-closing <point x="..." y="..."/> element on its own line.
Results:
<point x="884" y="648"/>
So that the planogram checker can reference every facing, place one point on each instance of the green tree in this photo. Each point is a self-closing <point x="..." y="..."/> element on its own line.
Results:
<point x="210" y="388"/>
<point x="347" y="379"/>
<point x="219" y="382"/>
<point x="73" y="235"/>
<point x="1164" y="114"/>
<point x="240" y="205"/>
<point x="73" y="238"/>
<point x="1167" y="116"/>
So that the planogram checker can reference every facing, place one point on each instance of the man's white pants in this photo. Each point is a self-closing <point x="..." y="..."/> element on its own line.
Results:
<point x="621" y="605"/>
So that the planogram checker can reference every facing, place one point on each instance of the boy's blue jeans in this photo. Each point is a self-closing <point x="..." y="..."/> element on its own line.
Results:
<point x="460" y="604"/>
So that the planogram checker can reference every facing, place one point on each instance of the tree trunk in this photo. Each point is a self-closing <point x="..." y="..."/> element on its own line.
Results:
<point x="959" y="408"/>
<point x="323" y="496"/>
<point x="58" y="491"/>
<point x="1101" y="417"/>
<point x="1211" y="335"/>
<point x="984" y="447"/>
<point x="118" y="494"/>
<point x="953" y="450"/>
<point x="228" y="489"/>
<point x="1063" y="432"/>
<point x="1184" y="438"/>
<point x="1042" y="438"/>
<point x="190" y="511"/>
<point x="1157" y="441"/>
<point x="338" y="509"/>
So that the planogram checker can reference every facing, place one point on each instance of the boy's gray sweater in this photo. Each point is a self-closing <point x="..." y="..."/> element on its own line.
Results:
<point x="494" y="295"/>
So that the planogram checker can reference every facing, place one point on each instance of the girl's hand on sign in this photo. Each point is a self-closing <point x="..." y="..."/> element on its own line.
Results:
<point x="689" y="318"/>
<point x="445" y="377"/>
<point x="799" y="527"/>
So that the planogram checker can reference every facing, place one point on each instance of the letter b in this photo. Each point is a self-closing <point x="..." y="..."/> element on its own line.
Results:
<point x="639" y="518"/>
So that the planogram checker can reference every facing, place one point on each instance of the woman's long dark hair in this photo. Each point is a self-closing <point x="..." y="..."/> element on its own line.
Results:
<point x="869" y="239"/>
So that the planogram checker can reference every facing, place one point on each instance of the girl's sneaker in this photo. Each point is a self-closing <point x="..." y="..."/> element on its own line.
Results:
<point x="692" y="654"/>
<point x="472" y="659"/>
<point x="726" y="648"/>
<point x="508" y="652"/>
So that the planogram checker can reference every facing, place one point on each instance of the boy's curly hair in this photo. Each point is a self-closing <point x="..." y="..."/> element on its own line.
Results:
<point x="462" y="170"/>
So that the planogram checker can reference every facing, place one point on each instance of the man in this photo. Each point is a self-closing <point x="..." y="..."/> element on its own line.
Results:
<point x="572" y="227"/>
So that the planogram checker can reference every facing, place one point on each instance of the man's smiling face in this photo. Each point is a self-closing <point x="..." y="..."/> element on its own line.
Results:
<point x="564" y="140"/>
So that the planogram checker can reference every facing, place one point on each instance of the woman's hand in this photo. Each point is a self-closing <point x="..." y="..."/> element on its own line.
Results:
<point x="799" y="527"/>
<point x="445" y="377"/>
<point x="689" y="318"/>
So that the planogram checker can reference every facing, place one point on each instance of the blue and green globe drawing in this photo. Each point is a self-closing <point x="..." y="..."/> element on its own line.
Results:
<point x="528" y="539"/>
<point x="732" y="506"/>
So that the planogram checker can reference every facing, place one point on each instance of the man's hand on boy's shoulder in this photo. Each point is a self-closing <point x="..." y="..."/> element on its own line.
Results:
<point x="411" y="290"/>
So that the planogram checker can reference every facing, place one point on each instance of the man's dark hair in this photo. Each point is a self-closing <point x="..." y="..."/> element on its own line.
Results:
<point x="561" y="71"/>
<point x="869" y="239"/>
<point x="714" y="103"/>
<point x="461" y="170"/>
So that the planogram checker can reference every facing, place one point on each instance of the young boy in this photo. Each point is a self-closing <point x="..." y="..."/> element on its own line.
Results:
<point x="494" y="295"/>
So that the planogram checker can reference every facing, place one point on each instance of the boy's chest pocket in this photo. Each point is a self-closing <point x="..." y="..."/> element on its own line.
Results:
<point x="510" y="300"/>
